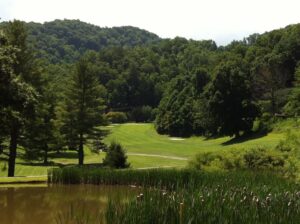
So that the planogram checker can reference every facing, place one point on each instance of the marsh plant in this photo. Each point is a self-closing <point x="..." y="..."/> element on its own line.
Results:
<point x="191" y="196"/>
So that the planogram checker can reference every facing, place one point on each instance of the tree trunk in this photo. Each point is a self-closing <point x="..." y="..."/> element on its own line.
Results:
<point x="1" y="148"/>
<point x="273" y="102"/>
<point x="12" y="152"/>
<point x="46" y="154"/>
<point x="80" y="150"/>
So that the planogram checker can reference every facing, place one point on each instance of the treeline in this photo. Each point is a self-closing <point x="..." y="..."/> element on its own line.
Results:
<point x="186" y="87"/>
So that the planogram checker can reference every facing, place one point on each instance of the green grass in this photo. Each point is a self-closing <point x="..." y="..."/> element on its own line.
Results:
<point x="142" y="138"/>
<point x="139" y="139"/>
<point x="23" y="180"/>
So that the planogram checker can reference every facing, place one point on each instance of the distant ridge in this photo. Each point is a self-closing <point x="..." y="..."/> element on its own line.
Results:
<point x="67" y="40"/>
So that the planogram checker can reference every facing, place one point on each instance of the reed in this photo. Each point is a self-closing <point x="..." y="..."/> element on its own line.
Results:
<point x="170" y="179"/>
<point x="190" y="196"/>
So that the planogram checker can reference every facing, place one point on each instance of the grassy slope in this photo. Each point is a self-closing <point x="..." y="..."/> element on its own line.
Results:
<point x="142" y="139"/>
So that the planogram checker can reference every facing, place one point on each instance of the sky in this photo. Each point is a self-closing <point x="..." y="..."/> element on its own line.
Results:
<point x="219" y="20"/>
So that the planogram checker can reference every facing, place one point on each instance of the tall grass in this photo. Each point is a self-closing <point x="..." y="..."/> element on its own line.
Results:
<point x="190" y="196"/>
<point x="167" y="178"/>
<point x="208" y="205"/>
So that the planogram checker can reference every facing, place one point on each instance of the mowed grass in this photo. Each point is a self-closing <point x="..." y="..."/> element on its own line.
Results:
<point x="145" y="149"/>
<point x="143" y="139"/>
<point x="22" y="180"/>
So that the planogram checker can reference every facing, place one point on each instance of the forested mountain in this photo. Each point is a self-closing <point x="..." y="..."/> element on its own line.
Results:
<point x="67" y="40"/>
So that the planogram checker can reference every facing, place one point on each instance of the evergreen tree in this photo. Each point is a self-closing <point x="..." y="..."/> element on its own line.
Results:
<point x="83" y="107"/>
<point x="40" y="135"/>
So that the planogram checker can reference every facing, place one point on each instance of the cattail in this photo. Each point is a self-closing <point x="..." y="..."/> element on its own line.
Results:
<point x="141" y="196"/>
<point x="181" y="212"/>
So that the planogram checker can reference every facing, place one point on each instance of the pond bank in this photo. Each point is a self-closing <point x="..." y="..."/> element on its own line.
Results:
<point x="23" y="180"/>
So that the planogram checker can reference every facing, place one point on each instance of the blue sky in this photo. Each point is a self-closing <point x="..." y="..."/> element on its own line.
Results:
<point x="220" y="20"/>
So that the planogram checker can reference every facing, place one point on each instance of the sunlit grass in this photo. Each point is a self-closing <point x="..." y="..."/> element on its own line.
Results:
<point x="143" y="139"/>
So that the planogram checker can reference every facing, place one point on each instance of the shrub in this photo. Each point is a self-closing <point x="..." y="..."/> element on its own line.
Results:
<point x="116" y="157"/>
<point x="291" y="143"/>
<point x="260" y="158"/>
<point x="202" y="160"/>
<point x="263" y="124"/>
<point x="116" y="117"/>
<point x="252" y="159"/>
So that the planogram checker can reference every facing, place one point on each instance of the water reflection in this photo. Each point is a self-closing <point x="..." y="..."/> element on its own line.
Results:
<point x="46" y="204"/>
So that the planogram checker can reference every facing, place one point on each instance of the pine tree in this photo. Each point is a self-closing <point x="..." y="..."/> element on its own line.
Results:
<point x="83" y="107"/>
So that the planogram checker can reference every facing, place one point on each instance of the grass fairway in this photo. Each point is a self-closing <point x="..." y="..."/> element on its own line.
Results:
<point x="143" y="139"/>
<point x="145" y="149"/>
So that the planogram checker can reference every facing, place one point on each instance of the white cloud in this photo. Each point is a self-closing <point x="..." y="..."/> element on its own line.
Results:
<point x="221" y="20"/>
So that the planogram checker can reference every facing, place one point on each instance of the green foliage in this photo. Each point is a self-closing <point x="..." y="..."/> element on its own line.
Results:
<point x="291" y="143"/>
<point x="83" y="107"/>
<point x="116" y="117"/>
<point x="230" y="100"/>
<point x="175" y="116"/>
<point x="116" y="156"/>
<point x="142" y="114"/>
<point x="258" y="158"/>
<point x="20" y="78"/>
<point x="68" y="40"/>
<point x="263" y="124"/>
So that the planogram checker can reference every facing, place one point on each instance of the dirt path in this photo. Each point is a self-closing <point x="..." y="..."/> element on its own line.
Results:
<point x="154" y="167"/>
<point x="160" y="156"/>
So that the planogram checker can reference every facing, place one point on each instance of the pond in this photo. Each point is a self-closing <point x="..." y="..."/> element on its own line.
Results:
<point x="59" y="203"/>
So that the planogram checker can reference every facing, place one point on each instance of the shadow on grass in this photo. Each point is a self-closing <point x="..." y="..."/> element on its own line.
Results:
<point x="244" y="138"/>
<point x="49" y="164"/>
<point x="61" y="165"/>
<point x="64" y="154"/>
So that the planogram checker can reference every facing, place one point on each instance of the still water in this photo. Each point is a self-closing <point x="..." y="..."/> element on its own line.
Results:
<point x="56" y="204"/>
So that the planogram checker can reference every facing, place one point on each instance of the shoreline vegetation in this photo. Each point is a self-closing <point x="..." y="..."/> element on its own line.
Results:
<point x="190" y="196"/>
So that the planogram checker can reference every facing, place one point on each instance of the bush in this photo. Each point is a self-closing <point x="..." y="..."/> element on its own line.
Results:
<point x="116" y="117"/>
<point x="252" y="159"/>
<point x="202" y="160"/>
<point x="263" y="124"/>
<point x="116" y="157"/>
<point x="260" y="158"/>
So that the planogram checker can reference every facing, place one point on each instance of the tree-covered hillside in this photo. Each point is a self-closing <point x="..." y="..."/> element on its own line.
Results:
<point x="61" y="80"/>
<point x="67" y="40"/>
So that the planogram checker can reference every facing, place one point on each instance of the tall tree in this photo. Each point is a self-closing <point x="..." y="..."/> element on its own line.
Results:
<point x="40" y="133"/>
<point x="17" y="96"/>
<point x="292" y="108"/>
<point x="83" y="107"/>
<point x="230" y="101"/>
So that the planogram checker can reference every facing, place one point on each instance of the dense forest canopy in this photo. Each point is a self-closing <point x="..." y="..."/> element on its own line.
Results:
<point x="67" y="40"/>
<point x="186" y="87"/>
